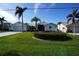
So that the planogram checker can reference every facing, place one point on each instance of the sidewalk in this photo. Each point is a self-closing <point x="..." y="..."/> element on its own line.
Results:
<point x="7" y="33"/>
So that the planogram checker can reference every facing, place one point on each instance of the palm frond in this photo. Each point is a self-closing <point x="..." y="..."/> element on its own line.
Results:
<point x="73" y="20"/>
<point x="75" y="11"/>
<point x="70" y="15"/>
<point x="35" y="19"/>
<point x="77" y="15"/>
<point x="68" y="20"/>
<point x="24" y="9"/>
<point x="18" y="10"/>
<point x="32" y="20"/>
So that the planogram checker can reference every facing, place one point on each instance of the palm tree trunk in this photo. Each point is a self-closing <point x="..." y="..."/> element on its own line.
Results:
<point x="74" y="28"/>
<point x="2" y="25"/>
<point x="22" y="24"/>
<point x="36" y="25"/>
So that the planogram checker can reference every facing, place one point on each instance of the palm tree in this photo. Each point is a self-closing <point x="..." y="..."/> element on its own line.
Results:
<point x="35" y="19"/>
<point x="73" y="17"/>
<point x="19" y="12"/>
<point x="2" y="22"/>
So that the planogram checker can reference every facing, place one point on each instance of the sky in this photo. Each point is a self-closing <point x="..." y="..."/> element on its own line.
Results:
<point x="48" y="15"/>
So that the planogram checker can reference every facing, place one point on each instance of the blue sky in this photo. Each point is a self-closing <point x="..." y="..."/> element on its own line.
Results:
<point x="46" y="15"/>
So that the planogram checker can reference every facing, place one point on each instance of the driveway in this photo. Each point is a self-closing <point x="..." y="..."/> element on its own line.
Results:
<point x="7" y="33"/>
<point x="74" y="33"/>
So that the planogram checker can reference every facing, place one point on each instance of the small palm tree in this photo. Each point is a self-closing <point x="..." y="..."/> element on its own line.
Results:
<point x="35" y="19"/>
<point x="73" y="17"/>
<point x="19" y="12"/>
<point x="2" y="22"/>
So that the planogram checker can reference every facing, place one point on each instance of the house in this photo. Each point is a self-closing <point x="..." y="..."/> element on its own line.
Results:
<point x="41" y="26"/>
<point x="50" y="27"/>
<point x="18" y="27"/>
<point x="47" y="27"/>
<point x="62" y="27"/>
<point x="73" y="27"/>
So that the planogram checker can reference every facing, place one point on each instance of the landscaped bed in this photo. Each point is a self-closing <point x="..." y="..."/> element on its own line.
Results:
<point x="57" y="36"/>
<point x="23" y="44"/>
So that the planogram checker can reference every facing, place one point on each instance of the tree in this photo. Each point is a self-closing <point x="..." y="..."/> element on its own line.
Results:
<point x="73" y="17"/>
<point x="59" y="23"/>
<point x="19" y="12"/>
<point x="35" y="19"/>
<point x="2" y="22"/>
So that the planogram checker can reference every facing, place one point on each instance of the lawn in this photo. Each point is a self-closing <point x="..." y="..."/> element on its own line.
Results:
<point x="23" y="44"/>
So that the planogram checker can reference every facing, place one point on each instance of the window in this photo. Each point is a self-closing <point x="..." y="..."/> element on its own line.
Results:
<point x="50" y="26"/>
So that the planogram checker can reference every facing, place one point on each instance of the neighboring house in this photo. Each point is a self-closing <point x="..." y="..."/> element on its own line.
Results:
<point x="41" y="26"/>
<point x="47" y="27"/>
<point x="18" y="27"/>
<point x="50" y="27"/>
<point x="73" y="27"/>
<point x="10" y="27"/>
<point x="62" y="27"/>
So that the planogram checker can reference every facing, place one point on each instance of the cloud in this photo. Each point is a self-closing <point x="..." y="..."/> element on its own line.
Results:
<point x="8" y="16"/>
<point x="36" y="7"/>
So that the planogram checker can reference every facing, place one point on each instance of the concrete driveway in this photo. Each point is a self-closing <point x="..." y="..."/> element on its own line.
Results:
<point x="7" y="33"/>
<point x="74" y="33"/>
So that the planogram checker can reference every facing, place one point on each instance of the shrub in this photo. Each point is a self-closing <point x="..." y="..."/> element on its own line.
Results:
<point x="52" y="35"/>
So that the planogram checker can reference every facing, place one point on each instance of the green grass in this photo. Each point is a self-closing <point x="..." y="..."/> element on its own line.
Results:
<point x="23" y="44"/>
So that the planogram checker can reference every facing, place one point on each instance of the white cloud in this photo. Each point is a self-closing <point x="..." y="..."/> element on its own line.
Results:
<point x="8" y="16"/>
<point x="36" y="7"/>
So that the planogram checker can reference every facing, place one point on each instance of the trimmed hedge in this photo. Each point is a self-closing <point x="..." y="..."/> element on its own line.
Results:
<point x="52" y="36"/>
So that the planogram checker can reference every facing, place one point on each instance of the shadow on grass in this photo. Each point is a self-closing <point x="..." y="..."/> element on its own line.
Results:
<point x="65" y="38"/>
<point x="57" y="39"/>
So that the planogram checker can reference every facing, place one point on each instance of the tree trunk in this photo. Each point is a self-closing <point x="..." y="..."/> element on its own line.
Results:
<point x="74" y="28"/>
<point x="36" y="25"/>
<point x="22" y="24"/>
<point x="2" y="25"/>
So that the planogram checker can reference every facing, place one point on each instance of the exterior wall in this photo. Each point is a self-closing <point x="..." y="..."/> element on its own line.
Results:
<point x="50" y="28"/>
<point x="76" y="29"/>
<point x="11" y="27"/>
<point x="18" y="27"/>
<point x="62" y="28"/>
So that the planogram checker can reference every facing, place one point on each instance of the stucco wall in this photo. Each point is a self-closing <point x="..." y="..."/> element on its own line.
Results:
<point x="62" y="28"/>
<point x="50" y="28"/>
<point x="18" y="27"/>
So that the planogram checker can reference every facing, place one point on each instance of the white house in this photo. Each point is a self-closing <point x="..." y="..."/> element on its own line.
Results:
<point x="18" y="27"/>
<point x="62" y="27"/>
<point x="47" y="27"/>
<point x="50" y="27"/>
